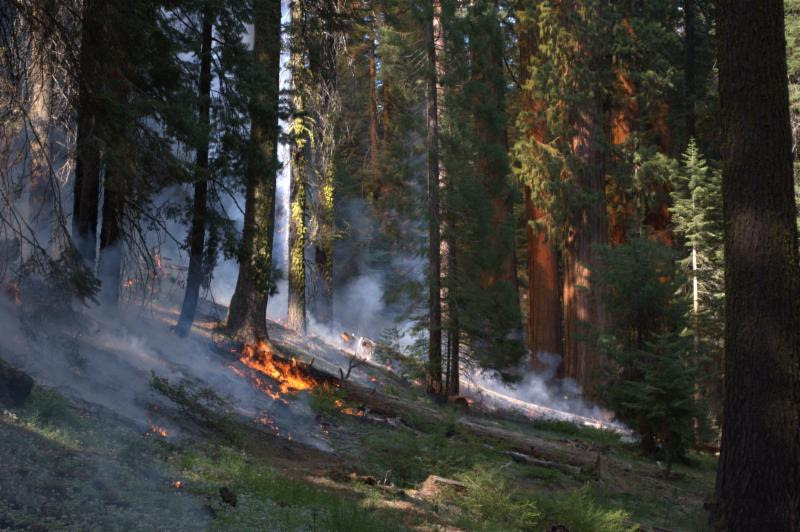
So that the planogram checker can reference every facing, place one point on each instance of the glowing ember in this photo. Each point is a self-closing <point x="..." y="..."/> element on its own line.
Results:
<point x="288" y="375"/>
<point x="347" y="410"/>
<point x="157" y="431"/>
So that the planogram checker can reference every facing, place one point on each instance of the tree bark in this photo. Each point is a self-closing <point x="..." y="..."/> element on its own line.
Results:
<point x="247" y="314"/>
<point x="583" y="308"/>
<point x="296" y="317"/>
<point x="86" y="190"/>
<point x="544" y="304"/>
<point x="757" y="479"/>
<point x="434" y="370"/>
<point x="197" y="232"/>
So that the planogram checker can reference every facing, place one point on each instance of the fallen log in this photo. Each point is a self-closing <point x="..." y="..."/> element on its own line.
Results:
<point x="564" y="468"/>
<point x="434" y="484"/>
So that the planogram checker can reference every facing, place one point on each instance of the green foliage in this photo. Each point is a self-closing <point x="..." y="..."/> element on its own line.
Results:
<point x="265" y="496"/>
<point x="578" y="510"/>
<point x="652" y="383"/>
<point x="490" y="503"/>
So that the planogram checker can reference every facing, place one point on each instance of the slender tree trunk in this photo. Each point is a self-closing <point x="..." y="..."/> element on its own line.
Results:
<point x="757" y="479"/>
<point x="447" y="247"/>
<point x="434" y="372"/>
<point x="374" y="149"/>
<point x="248" y="309"/>
<point x="197" y="232"/>
<point x="296" y="317"/>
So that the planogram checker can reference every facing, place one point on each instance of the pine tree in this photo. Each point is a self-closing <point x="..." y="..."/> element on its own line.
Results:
<point x="197" y="231"/>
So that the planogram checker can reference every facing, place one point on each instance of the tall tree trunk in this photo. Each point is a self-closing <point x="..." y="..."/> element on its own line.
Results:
<point x="757" y="479"/>
<point x="434" y="371"/>
<point x="326" y="143"/>
<point x="544" y="304"/>
<point x="41" y="195"/>
<point x="197" y="232"/>
<point x="248" y="309"/>
<point x="499" y="278"/>
<point x="86" y="190"/>
<point x="583" y="309"/>
<point x="447" y="246"/>
<point x="296" y="317"/>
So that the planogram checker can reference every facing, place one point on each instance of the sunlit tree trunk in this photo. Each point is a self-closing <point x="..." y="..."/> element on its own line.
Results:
<point x="248" y="309"/>
<point x="759" y="468"/>
<point x="198" y="229"/>
<point x="296" y="316"/>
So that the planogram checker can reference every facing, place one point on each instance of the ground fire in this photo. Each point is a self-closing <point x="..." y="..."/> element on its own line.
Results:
<point x="288" y="375"/>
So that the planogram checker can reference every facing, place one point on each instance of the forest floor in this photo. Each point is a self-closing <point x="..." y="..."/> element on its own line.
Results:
<point x="74" y="464"/>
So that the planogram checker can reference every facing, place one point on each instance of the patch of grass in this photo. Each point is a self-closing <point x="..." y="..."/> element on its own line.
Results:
<point x="580" y="510"/>
<point x="582" y="432"/>
<point x="410" y="457"/>
<point x="266" y="499"/>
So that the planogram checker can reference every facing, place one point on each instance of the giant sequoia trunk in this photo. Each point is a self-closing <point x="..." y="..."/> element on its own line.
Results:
<point x="758" y="485"/>
<point x="544" y="303"/>
<point x="434" y="371"/>
<point x="197" y="232"/>
<point x="247" y="316"/>
<point x="588" y="229"/>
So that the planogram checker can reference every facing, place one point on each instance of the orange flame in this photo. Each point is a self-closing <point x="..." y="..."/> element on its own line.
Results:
<point x="158" y="431"/>
<point x="289" y="376"/>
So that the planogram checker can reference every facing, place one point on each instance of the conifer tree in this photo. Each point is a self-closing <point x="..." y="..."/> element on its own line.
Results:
<point x="247" y="314"/>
